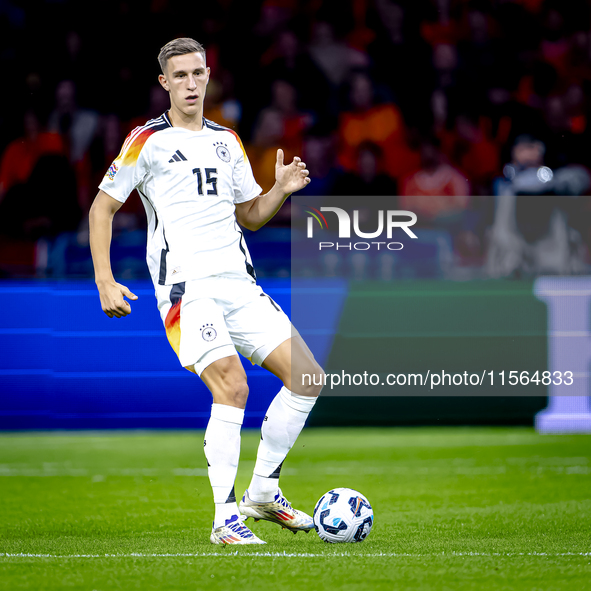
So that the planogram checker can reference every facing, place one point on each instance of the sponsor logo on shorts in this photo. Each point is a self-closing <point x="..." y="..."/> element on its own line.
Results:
<point x="208" y="332"/>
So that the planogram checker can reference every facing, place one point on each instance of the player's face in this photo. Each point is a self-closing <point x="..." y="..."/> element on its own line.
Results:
<point x="186" y="80"/>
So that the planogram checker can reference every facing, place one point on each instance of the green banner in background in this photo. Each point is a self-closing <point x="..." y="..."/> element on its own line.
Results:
<point x="410" y="333"/>
<point x="439" y="338"/>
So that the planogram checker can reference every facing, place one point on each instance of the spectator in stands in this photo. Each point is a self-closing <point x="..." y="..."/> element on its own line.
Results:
<point x="527" y="175"/>
<point x="335" y="59"/>
<point x="158" y="103"/>
<point x="21" y="155"/>
<point x="76" y="124"/>
<point x="379" y="124"/>
<point x="28" y="210"/>
<point x="376" y="191"/>
<point x="319" y="156"/>
<point x="220" y="105"/>
<point x="368" y="179"/>
<point x="445" y="62"/>
<point x="437" y="193"/>
<point x="79" y="127"/>
<point x="281" y="124"/>
<point x="478" y="155"/>
<point x="294" y="121"/>
<point x="288" y="60"/>
<point x="395" y="40"/>
<point x="384" y="74"/>
<point x="532" y="233"/>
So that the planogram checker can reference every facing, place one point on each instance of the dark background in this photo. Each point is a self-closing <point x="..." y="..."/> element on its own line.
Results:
<point x="421" y="102"/>
<point x="405" y="99"/>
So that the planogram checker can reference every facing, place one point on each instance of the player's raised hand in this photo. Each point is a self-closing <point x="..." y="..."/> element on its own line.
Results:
<point x="291" y="177"/>
<point x="112" y="299"/>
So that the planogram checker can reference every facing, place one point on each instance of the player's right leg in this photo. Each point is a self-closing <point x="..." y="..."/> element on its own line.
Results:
<point x="226" y="381"/>
<point x="196" y="330"/>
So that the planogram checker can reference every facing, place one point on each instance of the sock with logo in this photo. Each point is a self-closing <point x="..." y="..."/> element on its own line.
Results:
<point x="222" y="450"/>
<point x="283" y="423"/>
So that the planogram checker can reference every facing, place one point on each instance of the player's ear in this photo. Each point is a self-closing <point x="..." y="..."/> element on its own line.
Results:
<point x="164" y="82"/>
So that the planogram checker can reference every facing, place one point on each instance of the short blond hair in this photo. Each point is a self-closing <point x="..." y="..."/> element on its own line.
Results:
<point x="180" y="46"/>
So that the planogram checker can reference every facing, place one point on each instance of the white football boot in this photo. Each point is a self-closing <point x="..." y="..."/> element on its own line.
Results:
<point x="234" y="532"/>
<point x="277" y="511"/>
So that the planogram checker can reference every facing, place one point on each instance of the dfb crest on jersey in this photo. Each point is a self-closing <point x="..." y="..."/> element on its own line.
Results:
<point x="222" y="152"/>
<point x="208" y="332"/>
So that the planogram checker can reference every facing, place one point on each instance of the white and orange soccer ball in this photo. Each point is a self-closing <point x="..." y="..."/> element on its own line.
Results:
<point x="343" y="515"/>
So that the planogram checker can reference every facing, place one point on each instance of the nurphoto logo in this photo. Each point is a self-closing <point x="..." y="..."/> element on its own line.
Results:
<point x="387" y="220"/>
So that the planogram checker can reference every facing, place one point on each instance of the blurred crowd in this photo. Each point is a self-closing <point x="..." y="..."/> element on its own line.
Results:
<point x="474" y="114"/>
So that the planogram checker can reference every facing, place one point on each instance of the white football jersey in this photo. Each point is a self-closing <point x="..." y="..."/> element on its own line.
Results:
<point x="189" y="183"/>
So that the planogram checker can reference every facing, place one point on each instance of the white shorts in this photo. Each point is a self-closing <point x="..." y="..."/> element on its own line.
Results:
<point x="209" y="319"/>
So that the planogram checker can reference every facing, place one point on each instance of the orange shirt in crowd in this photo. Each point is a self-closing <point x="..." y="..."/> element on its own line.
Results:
<point x="22" y="154"/>
<point x="382" y="125"/>
<point x="262" y="161"/>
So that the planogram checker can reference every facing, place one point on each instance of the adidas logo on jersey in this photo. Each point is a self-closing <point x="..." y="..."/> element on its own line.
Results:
<point x="177" y="157"/>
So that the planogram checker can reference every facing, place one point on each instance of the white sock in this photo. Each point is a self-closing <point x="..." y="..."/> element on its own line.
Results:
<point x="222" y="450"/>
<point x="283" y="423"/>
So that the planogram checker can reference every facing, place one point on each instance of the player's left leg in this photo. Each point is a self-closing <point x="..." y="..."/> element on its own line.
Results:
<point x="287" y="413"/>
<point x="283" y="423"/>
<point x="262" y="332"/>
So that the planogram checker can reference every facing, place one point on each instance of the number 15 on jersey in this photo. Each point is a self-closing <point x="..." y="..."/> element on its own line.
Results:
<point x="210" y="179"/>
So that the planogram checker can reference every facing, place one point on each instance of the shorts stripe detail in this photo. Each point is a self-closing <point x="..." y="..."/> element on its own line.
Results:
<point x="172" y="324"/>
<point x="177" y="292"/>
<point x="162" y="275"/>
<point x="249" y="268"/>
<point x="264" y="295"/>
<point x="163" y="253"/>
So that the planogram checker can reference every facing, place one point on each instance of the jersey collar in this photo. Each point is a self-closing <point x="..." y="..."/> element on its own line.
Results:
<point x="167" y="119"/>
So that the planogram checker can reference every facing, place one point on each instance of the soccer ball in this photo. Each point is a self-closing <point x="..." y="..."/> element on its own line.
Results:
<point x="343" y="515"/>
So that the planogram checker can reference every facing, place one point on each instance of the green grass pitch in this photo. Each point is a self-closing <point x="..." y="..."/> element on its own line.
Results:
<point x="471" y="508"/>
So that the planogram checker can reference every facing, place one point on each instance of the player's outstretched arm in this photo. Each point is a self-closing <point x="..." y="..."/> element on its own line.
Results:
<point x="101" y="225"/>
<point x="289" y="178"/>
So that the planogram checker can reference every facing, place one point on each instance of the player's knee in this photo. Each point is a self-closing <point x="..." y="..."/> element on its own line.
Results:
<point x="231" y="391"/>
<point x="237" y="393"/>
<point x="312" y="380"/>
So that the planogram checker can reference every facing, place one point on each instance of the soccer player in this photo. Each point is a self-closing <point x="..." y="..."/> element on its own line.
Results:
<point x="195" y="181"/>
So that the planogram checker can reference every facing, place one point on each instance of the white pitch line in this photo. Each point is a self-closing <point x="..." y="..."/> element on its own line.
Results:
<point x="296" y="555"/>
